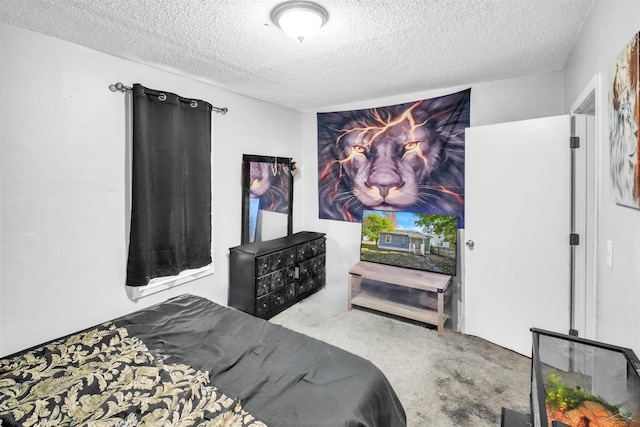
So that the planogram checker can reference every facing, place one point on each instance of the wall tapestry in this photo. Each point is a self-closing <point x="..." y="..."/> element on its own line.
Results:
<point x="407" y="157"/>
<point x="624" y="118"/>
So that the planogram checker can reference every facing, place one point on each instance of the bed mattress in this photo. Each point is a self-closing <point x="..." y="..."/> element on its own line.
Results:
<point x="190" y="361"/>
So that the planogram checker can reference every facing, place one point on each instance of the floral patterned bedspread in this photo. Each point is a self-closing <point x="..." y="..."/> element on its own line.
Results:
<point x="104" y="377"/>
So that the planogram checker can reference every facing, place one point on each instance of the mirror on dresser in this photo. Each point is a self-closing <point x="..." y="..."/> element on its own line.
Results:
<point x="267" y="197"/>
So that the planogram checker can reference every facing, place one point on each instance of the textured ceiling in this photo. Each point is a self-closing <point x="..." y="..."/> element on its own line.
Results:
<point x="368" y="48"/>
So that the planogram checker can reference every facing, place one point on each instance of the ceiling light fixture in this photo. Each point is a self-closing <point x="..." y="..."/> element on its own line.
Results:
<point x="299" y="19"/>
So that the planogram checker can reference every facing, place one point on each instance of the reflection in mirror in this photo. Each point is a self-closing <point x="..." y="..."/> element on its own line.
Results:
<point x="267" y="197"/>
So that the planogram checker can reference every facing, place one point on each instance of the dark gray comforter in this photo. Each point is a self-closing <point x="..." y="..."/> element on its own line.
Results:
<point x="282" y="377"/>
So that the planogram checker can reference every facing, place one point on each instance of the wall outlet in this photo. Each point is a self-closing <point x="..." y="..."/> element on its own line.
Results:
<point x="609" y="253"/>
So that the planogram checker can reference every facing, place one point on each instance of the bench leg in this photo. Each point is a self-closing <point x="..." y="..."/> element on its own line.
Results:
<point x="354" y="287"/>
<point x="440" y="313"/>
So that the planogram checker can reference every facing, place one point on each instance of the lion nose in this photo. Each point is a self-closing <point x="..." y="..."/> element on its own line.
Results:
<point x="384" y="179"/>
<point x="383" y="189"/>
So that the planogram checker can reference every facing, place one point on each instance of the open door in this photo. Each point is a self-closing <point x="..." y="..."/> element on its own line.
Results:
<point x="517" y="229"/>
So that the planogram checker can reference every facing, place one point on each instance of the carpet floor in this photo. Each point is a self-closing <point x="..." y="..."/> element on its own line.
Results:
<point x="453" y="380"/>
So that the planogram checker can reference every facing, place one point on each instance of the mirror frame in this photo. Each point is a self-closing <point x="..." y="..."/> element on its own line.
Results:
<point x="285" y="162"/>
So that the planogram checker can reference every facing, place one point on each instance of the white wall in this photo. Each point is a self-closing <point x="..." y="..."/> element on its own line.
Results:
<point x="64" y="248"/>
<point x="610" y="26"/>
<point x="501" y="101"/>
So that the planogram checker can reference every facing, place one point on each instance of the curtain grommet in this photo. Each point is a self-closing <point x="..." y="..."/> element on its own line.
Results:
<point x="162" y="97"/>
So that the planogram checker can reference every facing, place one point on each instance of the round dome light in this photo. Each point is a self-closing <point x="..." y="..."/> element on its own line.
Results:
<point x="299" y="19"/>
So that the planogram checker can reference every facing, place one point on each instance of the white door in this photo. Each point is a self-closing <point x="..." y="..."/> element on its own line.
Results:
<point x="517" y="214"/>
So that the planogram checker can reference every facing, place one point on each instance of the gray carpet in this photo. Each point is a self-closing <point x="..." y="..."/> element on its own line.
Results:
<point x="454" y="380"/>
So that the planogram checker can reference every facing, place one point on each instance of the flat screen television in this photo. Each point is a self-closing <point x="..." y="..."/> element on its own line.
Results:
<point x="411" y="240"/>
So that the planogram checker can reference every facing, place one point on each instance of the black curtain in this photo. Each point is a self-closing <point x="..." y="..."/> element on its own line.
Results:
<point x="171" y="186"/>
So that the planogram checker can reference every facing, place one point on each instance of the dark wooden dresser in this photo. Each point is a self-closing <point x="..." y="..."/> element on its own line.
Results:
<point x="269" y="276"/>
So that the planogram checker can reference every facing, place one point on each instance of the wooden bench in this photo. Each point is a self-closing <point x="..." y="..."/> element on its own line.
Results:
<point x="431" y="307"/>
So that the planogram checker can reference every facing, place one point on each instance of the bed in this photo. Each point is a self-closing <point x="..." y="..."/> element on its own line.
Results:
<point x="189" y="361"/>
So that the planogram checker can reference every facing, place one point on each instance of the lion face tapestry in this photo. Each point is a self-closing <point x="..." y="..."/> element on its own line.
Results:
<point x="406" y="157"/>
<point x="624" y="118"/>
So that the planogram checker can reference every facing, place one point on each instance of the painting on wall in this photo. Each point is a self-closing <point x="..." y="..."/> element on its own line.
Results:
<point x="405" y="157"/>
<point x="624" y="119"/>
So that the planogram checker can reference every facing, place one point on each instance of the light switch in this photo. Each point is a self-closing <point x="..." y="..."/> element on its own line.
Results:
<point x="609" y="253"/>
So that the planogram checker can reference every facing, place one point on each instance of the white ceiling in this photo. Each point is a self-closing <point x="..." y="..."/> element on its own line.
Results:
<point x="368" y="49"/>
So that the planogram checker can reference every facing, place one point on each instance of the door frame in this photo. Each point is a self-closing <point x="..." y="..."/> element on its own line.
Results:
<point x="585" y="286"/>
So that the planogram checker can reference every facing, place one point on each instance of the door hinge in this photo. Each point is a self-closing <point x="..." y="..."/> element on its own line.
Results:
<point x="574" y="142"/>
<point x="574" y="239"/>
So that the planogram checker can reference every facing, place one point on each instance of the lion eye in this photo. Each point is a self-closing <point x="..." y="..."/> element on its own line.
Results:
<point x="411" y="145"/>
<point x="358" y="148"/>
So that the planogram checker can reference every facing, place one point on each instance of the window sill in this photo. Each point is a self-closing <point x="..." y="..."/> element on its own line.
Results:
<point x="160" y="284"/>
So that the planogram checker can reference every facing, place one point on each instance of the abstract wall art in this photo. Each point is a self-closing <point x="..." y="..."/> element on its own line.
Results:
<point x="624" y="119"/>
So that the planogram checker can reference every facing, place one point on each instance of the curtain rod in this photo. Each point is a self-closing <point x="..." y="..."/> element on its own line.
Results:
<point x="119" y="87"/>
